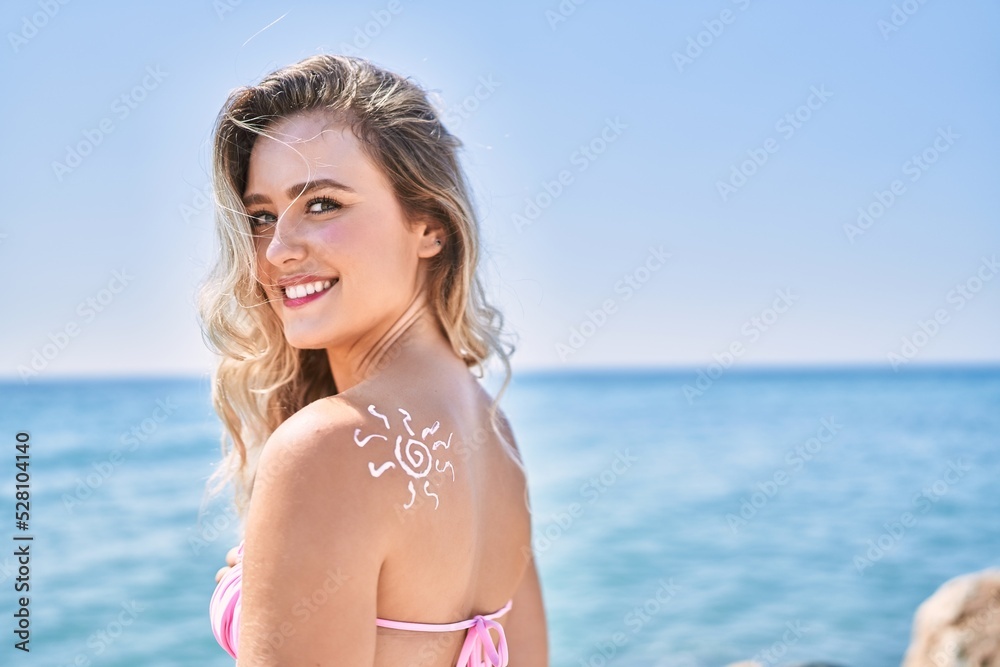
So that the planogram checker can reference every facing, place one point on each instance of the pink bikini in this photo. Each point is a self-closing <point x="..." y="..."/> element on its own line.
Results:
<point x="224" y="610"/>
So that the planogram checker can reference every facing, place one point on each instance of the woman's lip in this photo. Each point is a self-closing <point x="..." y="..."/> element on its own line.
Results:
<point x="294" y="303"/>
<point x="299" y="280"/>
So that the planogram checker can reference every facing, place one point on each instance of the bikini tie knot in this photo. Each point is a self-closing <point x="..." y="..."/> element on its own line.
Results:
<point x="479" y="641"/>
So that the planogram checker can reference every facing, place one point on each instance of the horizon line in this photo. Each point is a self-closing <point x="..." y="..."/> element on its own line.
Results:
<point x="609" y="369"/>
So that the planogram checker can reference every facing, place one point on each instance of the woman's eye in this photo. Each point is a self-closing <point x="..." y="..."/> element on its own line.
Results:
<point x="261" y="218"/>
<point x="322" y="205"/>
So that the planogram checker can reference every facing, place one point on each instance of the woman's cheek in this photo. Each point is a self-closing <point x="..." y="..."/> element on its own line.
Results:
<point x="333" y="234"/>
<point x="350" y="247"/>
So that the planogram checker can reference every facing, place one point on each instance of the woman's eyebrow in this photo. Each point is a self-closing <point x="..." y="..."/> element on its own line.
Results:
<point x="299" y="190"/>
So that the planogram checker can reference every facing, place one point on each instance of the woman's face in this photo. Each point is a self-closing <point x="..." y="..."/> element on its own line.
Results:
<point x="326" y="218"/>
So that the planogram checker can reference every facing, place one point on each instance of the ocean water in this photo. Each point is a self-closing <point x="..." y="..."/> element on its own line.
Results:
<point x="790" y="515"/>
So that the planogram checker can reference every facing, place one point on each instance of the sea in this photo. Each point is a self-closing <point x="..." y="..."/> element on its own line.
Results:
<point x="786" y="515"/>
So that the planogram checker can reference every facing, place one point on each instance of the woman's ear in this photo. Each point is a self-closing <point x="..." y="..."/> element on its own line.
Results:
<point x="432" y="238"/>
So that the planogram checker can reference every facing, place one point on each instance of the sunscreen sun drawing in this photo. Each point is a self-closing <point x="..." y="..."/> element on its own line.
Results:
<point x="413" y="456"/>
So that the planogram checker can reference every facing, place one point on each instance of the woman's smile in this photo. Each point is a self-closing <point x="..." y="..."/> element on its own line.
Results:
<point x="303" y="293"/>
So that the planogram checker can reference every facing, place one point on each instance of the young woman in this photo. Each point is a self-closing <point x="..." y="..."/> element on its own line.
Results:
<point x="386" y="517"/>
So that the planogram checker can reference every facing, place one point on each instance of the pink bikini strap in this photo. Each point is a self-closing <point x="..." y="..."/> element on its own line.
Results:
<point x="443" y="627"/>
<point x="477" y="640"/>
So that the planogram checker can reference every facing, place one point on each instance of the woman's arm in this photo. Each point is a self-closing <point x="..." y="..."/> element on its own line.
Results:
<point x="315" y="542"/>
<point x="525" y="626"/>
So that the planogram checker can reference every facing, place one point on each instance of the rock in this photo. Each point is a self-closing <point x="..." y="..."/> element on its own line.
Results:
<point x="959" y="625"/>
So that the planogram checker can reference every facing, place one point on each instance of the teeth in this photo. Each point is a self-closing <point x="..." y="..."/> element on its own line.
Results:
<point x="299" y="291"/>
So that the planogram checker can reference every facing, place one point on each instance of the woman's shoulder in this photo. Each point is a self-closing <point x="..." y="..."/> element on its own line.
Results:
<point x="319" y="424"/>
<point x="312" y="465"/>
<point x="327" y="415"/>
<point x="318" y="445"/>
<point x="351" y="434"/>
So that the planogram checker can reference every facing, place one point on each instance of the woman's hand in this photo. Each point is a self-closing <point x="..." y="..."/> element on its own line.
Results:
<point x="230" y="561"/>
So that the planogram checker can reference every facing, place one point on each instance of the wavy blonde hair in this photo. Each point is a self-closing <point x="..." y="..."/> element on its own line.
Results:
<point x="260" y="379"/>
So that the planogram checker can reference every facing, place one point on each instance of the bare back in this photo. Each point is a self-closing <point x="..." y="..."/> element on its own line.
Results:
<point x="461" y="531"/>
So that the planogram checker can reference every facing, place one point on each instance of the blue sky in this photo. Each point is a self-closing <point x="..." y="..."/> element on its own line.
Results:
<point x="715" y="155"/>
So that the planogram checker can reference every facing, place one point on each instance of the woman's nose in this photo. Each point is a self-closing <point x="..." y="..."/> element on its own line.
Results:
<point x="286" y="243"/>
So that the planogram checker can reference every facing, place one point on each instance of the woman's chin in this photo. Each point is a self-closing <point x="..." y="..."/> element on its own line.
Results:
<point x="306" y="340"/>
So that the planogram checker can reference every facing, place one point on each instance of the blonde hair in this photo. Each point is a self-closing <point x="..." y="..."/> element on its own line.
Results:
<point x="260" y="380"/>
